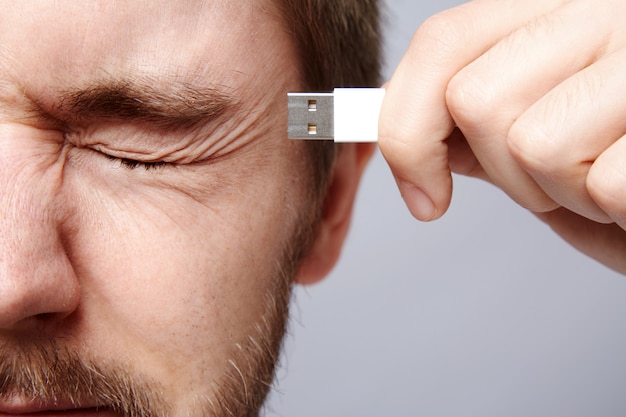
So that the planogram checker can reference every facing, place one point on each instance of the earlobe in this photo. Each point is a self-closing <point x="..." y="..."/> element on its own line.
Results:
<point x="337" y="212"/>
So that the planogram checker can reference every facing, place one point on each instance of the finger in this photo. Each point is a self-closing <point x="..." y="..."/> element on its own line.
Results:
<point x="605" y="243"/>
<point x="559" y="137"/>
<point x="461" y="158"/>
<point x="606" y="181"/>
<point x="488" y="96"/>
<point x="414" y="121"/>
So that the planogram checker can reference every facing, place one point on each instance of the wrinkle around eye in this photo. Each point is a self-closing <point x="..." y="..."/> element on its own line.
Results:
<point x="133" y="180"/>
<point x="138" y="143"/>
<point x="130" y="161"/>
<point x="134" y="146"/>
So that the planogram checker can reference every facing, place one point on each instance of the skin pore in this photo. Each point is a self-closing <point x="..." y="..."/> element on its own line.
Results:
<point x="152" y="217"/>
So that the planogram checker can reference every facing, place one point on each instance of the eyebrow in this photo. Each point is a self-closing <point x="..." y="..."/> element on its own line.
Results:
<point x="164" y="104"/>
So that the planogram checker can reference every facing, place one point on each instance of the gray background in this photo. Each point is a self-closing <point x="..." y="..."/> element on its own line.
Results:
<point x="483" y="313"/>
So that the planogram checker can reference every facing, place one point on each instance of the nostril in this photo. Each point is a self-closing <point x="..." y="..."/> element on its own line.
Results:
<point x="45" y="316"/>
<point x="30" y="303"/>
<point x="38" y="323"/>
<point x="38" y="285"/>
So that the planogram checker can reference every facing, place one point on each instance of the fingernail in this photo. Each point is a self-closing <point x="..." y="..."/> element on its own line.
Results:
<point x="419" y="204"/>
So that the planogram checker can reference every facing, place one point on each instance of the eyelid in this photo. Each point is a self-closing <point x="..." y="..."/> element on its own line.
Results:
<point x="132" y="164"/>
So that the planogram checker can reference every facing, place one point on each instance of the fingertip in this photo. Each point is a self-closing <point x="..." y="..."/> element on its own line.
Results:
<point x="418" y="202"/>
<point x="422" y="175"/>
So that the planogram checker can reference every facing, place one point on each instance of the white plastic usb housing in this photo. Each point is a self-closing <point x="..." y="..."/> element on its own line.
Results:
<point x="345" y="115"/>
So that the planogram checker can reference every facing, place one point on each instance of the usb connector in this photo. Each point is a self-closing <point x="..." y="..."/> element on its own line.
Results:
<point x="345" y="115"/>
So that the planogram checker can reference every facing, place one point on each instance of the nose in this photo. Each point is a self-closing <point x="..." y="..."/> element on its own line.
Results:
<point x="37" y="280"/>
<point x="36" y="284"/>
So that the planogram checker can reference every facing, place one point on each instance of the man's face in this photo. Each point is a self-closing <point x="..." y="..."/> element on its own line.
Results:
<point x="148" y="204"/>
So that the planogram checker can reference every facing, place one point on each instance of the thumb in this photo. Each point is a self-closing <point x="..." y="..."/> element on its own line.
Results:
<point x="413" y="125"/>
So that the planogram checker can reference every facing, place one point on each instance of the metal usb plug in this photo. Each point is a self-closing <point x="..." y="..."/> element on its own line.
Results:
<point x="345" y="115"/>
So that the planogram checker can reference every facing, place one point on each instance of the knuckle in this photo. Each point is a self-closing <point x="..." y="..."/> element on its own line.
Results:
<point x="440" y="36"/>
<point x="394" y="130"/>
<point x="469" y="101"/>
<point x="534" y="150"/>
<point x="396" y="146"/>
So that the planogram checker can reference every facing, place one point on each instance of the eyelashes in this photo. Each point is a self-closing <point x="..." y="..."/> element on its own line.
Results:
<point x="132" y="164"/>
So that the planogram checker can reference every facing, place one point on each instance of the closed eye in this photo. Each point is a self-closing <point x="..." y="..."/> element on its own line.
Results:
<point x="134" y="164"/>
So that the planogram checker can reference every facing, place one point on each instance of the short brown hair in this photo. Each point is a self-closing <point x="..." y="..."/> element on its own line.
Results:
<point x="338" y="41"/>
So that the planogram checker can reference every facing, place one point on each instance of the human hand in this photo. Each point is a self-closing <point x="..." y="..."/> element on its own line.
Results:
<point x="529" y="95"/>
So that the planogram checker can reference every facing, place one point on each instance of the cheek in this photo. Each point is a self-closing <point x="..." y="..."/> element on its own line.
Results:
<point x="179" y="276"/>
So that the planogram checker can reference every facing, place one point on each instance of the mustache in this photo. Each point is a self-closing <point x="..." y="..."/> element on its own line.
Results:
<point x="46" y="375"/>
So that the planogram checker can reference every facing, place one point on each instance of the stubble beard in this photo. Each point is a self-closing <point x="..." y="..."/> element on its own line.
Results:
<point x="44" y="372"/>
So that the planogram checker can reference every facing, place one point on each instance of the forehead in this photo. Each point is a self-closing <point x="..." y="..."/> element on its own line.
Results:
<point x="65" y="44"/>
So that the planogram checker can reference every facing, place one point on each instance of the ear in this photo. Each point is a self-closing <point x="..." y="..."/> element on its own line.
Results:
<point x="337" y="212"/>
